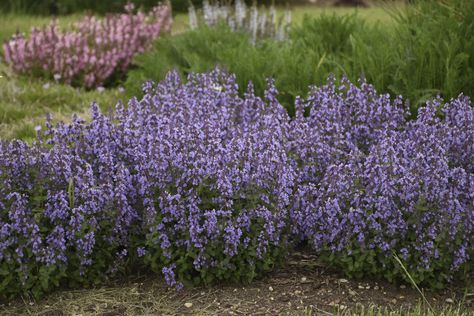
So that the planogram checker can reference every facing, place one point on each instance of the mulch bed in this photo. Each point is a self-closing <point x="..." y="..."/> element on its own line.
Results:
<point x="302" y="285"/>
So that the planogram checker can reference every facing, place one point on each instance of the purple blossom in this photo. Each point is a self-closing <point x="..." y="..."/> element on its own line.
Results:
<point x="207" y="181"/>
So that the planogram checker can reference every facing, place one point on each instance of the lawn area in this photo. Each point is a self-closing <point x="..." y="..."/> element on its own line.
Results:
<point x="24" y="103"/>
<point x="374" y="14"/>
<point x="12" y="23"/>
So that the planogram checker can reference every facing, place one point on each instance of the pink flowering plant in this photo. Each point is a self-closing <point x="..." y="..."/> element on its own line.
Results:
<point x="94" y="52"/>
<point x="203" y="185"/>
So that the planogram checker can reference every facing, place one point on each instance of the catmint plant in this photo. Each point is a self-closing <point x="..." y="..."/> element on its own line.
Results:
<point x="201" y="184"/>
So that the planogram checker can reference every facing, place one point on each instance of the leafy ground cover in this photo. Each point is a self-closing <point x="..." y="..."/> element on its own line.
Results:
<point x="204" y="187"/>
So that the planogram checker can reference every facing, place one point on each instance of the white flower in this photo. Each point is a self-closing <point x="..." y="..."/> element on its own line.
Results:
<point x="100" y="89"/>
<point x="38" y="128"/>
<point x="57" y="77"/>
<point x="193" y="21"/>
<point x="46" y="86"/>
<point x="217" y="87"/>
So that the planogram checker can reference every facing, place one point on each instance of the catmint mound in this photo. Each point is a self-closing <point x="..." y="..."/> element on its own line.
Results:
<point x="204" y="185"/>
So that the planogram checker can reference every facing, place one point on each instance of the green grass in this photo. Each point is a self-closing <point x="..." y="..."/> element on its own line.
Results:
<point x="371" y="310"/>
<point x="382" y="13"/>
<point x="374" y="14"/>
<point x="12" y="23"/>
<point x="329" y="44"/>
<point x="25" y="101"/>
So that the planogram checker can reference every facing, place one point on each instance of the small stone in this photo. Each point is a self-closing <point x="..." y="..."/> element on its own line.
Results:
<point x="343" y="281"/>
<point x="361" y="287"/>
<point x="401" y="297"/>
<point x="449" y="300"/>
<point x="335" y="303"/>
<point x="297" y="292"/>
<point x="367" y="287"/>
<point x="235" y="290"/>
<point x="188" y="305"/>
<point x="394" y="301"/>
<point x="270" y="289"/>
<point x="272" y="299"/>
<point x="403" y="286"/>
<point x="303" y="279"/>
<point x="352" y="292"/>
<point x="376" y="287"/>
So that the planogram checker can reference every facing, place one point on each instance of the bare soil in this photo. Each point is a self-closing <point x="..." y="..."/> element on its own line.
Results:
<point x="301" y="286"/>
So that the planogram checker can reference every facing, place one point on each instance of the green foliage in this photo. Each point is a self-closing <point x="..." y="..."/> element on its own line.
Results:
<point x="308" y="58"/>
<point x="101" y="7"/>
<point x="429" y="51"/>
<point x="211" y="263"/>
<point x="434" y="45"/>
<point x="24" y="103"/>
<point x="361" y="260"/>
<point x="244" y="267"/>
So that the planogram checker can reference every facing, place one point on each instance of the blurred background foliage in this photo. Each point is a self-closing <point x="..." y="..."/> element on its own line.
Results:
<point x="45" y="7"/>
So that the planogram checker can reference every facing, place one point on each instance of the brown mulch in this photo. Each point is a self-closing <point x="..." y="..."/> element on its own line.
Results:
<point x="300" y="286"/>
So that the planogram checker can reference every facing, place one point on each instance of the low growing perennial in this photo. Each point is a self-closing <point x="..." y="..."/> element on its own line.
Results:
<point x="203" y="185"/>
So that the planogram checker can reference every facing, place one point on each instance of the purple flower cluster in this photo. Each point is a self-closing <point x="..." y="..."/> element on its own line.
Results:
<point x="373" y="185"/>
<point x="93" y="51"/>
<point x="204" y="185"/>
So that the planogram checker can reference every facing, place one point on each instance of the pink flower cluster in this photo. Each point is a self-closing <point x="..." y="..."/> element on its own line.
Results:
<point x="93" y="52"/>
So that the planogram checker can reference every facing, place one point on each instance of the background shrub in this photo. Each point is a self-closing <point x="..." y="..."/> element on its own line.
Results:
<point x="102" y="7"/>
<point x="202" y="49"/>
<point x="427" y="53"/>
<point x="435" y="39"/>
<point x="94" y="53"/>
